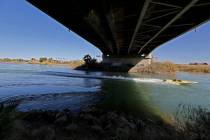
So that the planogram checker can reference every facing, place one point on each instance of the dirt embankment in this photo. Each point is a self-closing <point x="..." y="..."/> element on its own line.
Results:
<point x="193" y="68"/>
<point x="157" y="68"/>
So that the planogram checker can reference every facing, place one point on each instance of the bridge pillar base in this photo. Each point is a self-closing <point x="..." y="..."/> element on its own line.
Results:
<point x="126" y="63"/>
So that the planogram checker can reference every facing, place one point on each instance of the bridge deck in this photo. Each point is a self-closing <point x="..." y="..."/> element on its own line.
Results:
<point x="125" y="27"/>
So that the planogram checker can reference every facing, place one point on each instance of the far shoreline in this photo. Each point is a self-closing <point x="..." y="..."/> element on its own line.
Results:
<point x="46" y="61"/>
<point x="166" y="67"/>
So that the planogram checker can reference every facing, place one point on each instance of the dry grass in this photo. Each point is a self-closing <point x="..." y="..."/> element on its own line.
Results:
<point x="72" y="64"/>
<point x="193" y="122"/>
<point x="168" y="67"/>
<point x="193" y="68"/>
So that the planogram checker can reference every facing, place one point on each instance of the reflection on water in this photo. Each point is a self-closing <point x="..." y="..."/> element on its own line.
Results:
<point x="58" y="87"/>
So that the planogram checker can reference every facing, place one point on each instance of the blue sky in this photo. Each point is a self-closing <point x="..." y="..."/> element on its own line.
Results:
<point x="26" y="32"/>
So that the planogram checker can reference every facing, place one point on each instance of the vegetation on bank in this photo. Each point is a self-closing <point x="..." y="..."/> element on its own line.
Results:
<point x="10" y="60"/>
<point x="45" y="61"/>
<point x="51" y="61"/>
<point x="89" y="63"/>
<point x="193" y="68"/>
<point x="171" y="68"/>
<point x="97" y="123"/>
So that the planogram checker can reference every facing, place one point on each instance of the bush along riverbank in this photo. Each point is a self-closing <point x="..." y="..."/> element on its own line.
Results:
<point x="97" y="123"/>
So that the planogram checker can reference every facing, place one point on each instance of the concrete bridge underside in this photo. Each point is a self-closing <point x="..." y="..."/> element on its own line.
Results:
<point x="126" y="28"/>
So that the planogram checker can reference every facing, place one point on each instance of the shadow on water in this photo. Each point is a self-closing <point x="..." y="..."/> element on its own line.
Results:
<point x="124" y="96"/>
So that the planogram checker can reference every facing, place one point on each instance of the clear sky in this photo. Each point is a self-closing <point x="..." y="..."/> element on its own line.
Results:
<point x="27" y="32"/>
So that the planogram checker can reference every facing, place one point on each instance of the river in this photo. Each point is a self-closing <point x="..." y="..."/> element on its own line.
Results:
<point x="59" y="87"/>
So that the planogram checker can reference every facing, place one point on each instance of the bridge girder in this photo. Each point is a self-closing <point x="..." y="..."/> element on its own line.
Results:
<point x="124" y="27"/>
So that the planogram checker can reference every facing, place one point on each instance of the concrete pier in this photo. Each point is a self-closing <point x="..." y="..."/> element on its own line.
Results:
<point x="128" y="62"/>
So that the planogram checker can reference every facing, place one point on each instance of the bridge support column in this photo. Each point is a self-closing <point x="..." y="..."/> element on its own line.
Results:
<point x="126" y="63"/>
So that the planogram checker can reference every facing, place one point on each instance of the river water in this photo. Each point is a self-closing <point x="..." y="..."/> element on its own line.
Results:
<point x="59" y="87"/>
